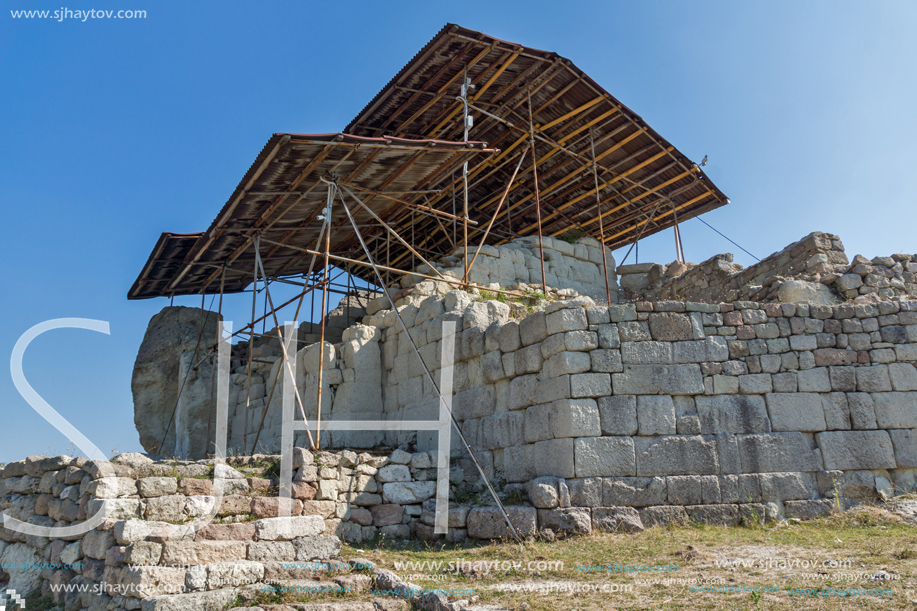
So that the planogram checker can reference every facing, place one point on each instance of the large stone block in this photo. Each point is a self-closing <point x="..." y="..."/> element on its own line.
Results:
<point x="770" y="452"/>
<point x="814" y="380"/>
<point x="873" y="379"/>
<point x="408" y="493"/>
<point x="693" y="489"/>
<point x="503" y="430"/>
<point x="193" y="553"/>
<point x="489" y="522"/>
<point x="606" y="361"/>
<point x="808" y="510"/>
<point x="543" y="492"/>
<point x="895" y="410"/>
<point x="658" y="380"/>
<point x="740" y="488"/>
<point x="716" y="515"/>
<point x="566" y="363"/>
<point x="616" y="519"/>
<point x="903" y="376"/>
<point x="590" y="385"/>
<point x="854" y="450"/>
<point x="571" y="520"/>
<point x="532" y="329"/>
<point x="905" y="444"/>
<point x="528" y="359"/>
<point x="475" y="402"/>
<point x="522" y="392"/>
<point x="604" y="456"/>
<point x="317" y="548"/>
<point x="585" y="491"/>
<point x="732" y="414"/>
<point x="567" y="319"/>
<point x="633" y="491"/>
<point x="287" y="529"/>
<point x="655" y="415"/>
<point x="618" y="414"/>
<point x="151" y="581"/>
<point x="837" y="411"/>
<point x="787" y="486"/>
<point x="671" y="327"/>
<point x="796" y="412"/>
<point x="553" y="457"/>
<point x="575" y="418"/>
<point x="862" y="410"/>
<point x="216" y="600"/>
<point x="663" y="516"/>
<point x="676" y="455"/>
<point x="271" y="551"/>
<point x="171" y="332"/>
<point x="537" y="424"/>
<point x="646" y="352"/>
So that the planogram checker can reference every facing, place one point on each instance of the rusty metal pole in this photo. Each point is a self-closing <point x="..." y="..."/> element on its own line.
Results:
<point x="465" y="85"/>
<point x="497" y="211"/>
<point x="598" y="211"/>
<point x="321" y="341"/>
<point x="251" y="342"/>
<point x="213" y="369"/>
<point x="544" y="282"/>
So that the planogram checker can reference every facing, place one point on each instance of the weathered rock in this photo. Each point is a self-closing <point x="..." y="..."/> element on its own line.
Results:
<point x="604" y="456"/>
<point x="286" y="529"/>
<point x="854" y="450"/>
<point x="616" y="519"/>
<point x="676" y="455"/>
<point x="574" y="520"/>
<point x="489" y="523"/>
<point x="157" y="378"/>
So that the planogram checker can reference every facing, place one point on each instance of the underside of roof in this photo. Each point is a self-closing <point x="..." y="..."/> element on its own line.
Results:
<point x="407" y="143"/>
<point x="280" y="200"/>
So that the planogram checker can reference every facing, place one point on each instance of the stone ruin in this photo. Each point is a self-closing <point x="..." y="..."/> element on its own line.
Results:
<point x="704" y="393"/>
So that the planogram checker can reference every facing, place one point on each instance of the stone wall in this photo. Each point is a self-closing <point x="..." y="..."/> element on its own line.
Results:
<point x="149" y="553"/>
<point x="576" y="266"/>
<point x="644" y="395"/>
<point x="815" y="268"/>
<point x="644" y="399"/>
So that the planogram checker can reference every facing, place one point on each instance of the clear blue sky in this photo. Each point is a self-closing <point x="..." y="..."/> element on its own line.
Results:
<point x="115" y="130"/>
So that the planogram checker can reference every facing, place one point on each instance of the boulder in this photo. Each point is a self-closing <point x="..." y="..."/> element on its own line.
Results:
<point x="156" y="380"/>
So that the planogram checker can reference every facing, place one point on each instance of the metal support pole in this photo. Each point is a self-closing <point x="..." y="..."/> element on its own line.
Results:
<point x="321" y="341"/>
<point x="251" y="342"/>
<point x="544" y="281"/>
<point x="404" y="328"/>
<point x="598" y="210"/>
<point x="302" y="297"/>
<point x="464" y="97"/>
<point x="286" y="360"/>
<point x="497" y="211"/>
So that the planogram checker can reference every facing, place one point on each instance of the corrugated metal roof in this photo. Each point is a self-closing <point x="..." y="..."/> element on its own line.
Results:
<point x="641" y="175"/>
<point x="280" y="197"/>
<point x="406" y="139"/>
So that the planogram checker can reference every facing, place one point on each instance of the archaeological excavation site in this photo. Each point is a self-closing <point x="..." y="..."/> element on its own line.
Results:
<point x="463" y="359"/>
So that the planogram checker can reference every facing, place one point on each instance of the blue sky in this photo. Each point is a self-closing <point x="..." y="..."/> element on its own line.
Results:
<point x="115" y="130"/>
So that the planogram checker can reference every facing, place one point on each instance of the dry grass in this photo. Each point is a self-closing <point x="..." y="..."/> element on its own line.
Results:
<point x="840" y="552"/>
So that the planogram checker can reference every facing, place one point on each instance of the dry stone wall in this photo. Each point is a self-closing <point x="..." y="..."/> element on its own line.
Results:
<point x="150" y="555"/>
<point x="815" y="268"/>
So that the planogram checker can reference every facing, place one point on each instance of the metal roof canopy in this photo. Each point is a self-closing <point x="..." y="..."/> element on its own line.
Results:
<point x="405" y="141"/>
<point x="641" y="176"/>
<point x="282" y="194"/>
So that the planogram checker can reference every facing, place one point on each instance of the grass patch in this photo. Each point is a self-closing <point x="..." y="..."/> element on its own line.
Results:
<point x="843" y="551"/>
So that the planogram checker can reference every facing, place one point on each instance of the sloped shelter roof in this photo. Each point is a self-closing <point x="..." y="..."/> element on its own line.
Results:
<point x="280" y="198"/>
<point x="645" y="184"/>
